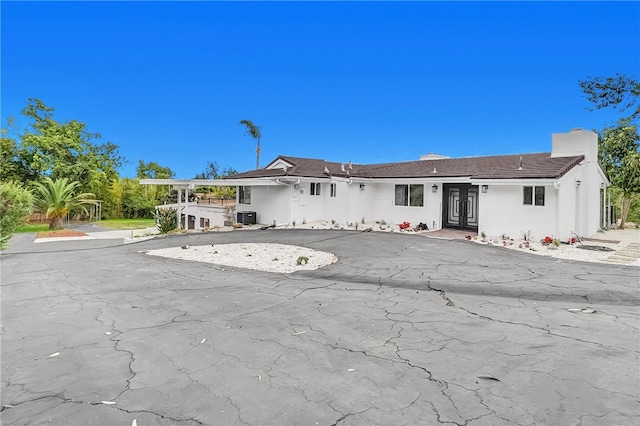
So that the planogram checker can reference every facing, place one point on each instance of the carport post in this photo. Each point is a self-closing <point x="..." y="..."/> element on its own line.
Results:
<point x="186" y="209"/>
<point x="179" y="207"/>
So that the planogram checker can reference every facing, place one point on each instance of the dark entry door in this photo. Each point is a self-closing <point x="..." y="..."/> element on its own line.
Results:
<point x="460" y="203"/>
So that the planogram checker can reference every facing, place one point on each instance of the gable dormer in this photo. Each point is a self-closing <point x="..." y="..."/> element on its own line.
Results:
<point x="280" y="163"/>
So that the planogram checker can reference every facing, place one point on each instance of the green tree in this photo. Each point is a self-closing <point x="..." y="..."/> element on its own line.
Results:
<point x="620" y="92"/>
<point x="59" y="197"/>
<point x="15" y="205"/>
<point x="618" y="144"/>
<point x="10" y="163"/>
<point x="112" y="201"/>
<point x="212" y="171"/>
<point x="57" y="150"/>
<point x="254" y="132"/>
<point x="153" y="170"/>
<point x="156" y="194"/>
<point x="135" y="199"/>
<point x="620" y="160"/>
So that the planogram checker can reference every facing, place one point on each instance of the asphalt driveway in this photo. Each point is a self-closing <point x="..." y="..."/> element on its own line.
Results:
<point x="402" y="330"/>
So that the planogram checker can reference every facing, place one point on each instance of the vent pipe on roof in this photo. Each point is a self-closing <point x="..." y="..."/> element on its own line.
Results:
<point x="520" y="166"/>
<point x="342" y="167"/>
<point x="350" y="165"/>
<point x="434" y="170"/>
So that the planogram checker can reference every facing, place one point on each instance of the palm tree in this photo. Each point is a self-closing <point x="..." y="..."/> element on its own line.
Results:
<point x="57" y="198"/>
<point x="254" y="132"/>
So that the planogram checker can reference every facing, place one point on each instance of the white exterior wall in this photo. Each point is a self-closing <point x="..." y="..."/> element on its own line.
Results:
<point x="501" y="210"/>
<point x="385" y="208"/>
<point x="566" y="212"/>
<point x="361" y="202"/>
<point x="580" y="203"/>
<point x="579" y="209"/>
<point x="215" y="214"/>
<point x="307" y="207"/>
<point x="269" y="202"/>
<point x="335" y="208"/>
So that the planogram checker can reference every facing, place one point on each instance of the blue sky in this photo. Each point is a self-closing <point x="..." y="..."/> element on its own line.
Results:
<point x="367" y="82"/>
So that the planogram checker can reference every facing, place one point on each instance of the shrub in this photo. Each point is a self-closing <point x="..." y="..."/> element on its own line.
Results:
<point x="546" y="241"/>
<point x="166" y="219"/>
<point x="15" y="205"/>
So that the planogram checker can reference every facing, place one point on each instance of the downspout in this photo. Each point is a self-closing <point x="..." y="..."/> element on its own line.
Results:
<point x="290" y="201"/>
<point x="557" y="187"/>
<point x="605" y="210"/>
<point x="603" y="220"/>
<point x="609" y="210"/>
<point x="348" y="191"/>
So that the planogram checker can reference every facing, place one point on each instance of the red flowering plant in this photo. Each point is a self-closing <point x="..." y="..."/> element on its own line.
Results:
<point x="546" y="240"/>
<point x="404" y="225"/>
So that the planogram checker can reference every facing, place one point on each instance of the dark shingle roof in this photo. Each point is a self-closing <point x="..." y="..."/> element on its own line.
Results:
<point x="540" y="165"/>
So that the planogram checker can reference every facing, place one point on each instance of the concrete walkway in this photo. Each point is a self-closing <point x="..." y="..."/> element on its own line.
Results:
<point x="627" y="255"/>
<point x="400" y="331"/>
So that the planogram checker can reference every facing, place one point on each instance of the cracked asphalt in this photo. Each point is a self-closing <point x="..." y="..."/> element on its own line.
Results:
<point x="402" y="330"/>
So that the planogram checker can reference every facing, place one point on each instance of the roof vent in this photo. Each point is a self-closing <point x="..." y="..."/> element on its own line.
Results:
<point x="434" y="170"/>
<point x="520" y="165"/>
<point x="342" y="167"/>
<point x="432" y="156"/>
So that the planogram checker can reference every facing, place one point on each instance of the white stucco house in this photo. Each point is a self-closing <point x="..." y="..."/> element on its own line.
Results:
<point x="558" y="193"/>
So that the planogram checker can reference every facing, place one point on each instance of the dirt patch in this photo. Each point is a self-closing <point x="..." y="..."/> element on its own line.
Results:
<point x="61" y="233"/>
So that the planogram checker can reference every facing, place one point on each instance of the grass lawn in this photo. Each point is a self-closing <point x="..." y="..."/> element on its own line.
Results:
<point x="127" y="223"/>
<point x="33" y="227"/>
<point x="118" y="224"/>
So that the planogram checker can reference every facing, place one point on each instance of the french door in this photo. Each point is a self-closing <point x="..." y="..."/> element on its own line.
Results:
<point x="460" y="203"/>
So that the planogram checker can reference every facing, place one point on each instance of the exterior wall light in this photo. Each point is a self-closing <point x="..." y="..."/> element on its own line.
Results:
<point x="434" y="188"/>
<point x="362" y="187"/>
<point x="485" y="188"/>
<point x="578" y="182"/>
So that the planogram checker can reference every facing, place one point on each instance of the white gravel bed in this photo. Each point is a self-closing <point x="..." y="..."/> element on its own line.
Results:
<point x="278" y="258"/>
<point x="622" y="239"/>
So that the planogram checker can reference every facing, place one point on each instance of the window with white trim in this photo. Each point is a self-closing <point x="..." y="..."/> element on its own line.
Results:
<point x="315" y="188"/>
<point x="333" y="188"/>
<point x="244" y="194"/>
<point x="409" y="195"/>
<point x="533" y="195"/>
